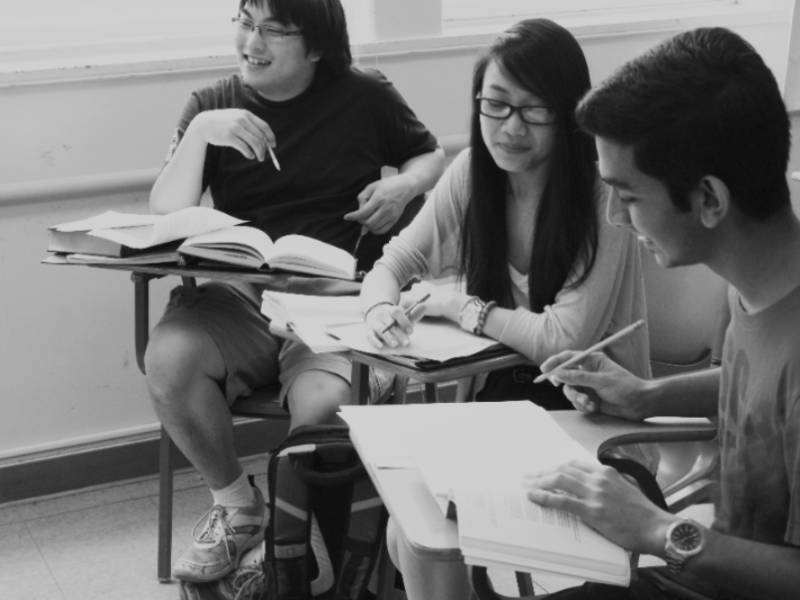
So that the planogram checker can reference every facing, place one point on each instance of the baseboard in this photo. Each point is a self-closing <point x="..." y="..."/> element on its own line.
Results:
<point x="75" y="470"/>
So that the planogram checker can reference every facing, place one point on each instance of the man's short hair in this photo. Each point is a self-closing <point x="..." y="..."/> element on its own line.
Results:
<point x="323" y="24"/>
<point x="701" y="103"/>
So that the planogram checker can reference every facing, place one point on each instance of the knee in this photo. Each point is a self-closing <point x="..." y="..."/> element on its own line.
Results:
<point x="315" y="397"/>
<point x="175" y="357"/>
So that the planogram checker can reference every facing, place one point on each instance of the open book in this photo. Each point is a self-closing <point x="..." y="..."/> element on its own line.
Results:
<point x="476" y="455"/>
<point x="119" y="234"/>
<point x="252" y="248"/>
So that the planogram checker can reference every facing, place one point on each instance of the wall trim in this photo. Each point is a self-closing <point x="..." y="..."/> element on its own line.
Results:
<point x="140" y="180"/>
<point x="85" y="466"/>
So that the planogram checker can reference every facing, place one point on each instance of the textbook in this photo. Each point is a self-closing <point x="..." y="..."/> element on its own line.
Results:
<point x="474" y="456"/>
<point x="119" y="234"/>
<point x="251" y="248"/>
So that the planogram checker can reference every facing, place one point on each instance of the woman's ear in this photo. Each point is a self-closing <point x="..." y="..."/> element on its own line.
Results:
<point x="712" y="199"/>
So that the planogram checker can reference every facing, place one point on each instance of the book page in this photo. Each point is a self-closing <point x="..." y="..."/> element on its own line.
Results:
<point x="432" y="339"/>
<point x="172" y="226"/>
<point x="237" y="238"/>
<point x="308" y="255"/>
<point x="106" y="220"/>
<point x="309" y="316"/>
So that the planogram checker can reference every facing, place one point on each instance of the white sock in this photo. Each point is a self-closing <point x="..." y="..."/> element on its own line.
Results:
<point x="237" y="493"/>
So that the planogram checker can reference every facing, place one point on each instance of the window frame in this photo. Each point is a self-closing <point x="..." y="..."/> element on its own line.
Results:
<point x="43" y="63"/>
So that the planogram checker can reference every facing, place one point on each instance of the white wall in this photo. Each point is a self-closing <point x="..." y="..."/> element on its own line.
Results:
<point x="67" y="371"/>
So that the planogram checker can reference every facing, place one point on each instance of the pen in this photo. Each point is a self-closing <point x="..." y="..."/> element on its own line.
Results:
<point x="273" y="157"/>
<point x="407" y="312"/>
<point x="598" y="346"/>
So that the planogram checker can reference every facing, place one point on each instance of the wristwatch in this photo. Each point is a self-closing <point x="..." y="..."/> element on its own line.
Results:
<point x="685" y="538"/>
<point x="470" y="314"/>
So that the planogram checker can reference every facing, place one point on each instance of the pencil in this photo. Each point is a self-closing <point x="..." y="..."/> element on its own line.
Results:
<point x="408" y="312"/>
<point x="598" y="346"/>
<point x="273" y="157"/>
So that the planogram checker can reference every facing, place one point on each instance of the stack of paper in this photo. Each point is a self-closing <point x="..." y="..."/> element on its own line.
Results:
<point x="476" y="455"/>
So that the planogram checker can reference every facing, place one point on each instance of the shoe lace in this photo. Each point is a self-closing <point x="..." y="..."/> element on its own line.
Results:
<point x="249" y="583"/>
<point x="215" y="528"/>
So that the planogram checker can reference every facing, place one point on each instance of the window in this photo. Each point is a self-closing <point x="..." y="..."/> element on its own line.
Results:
<point x="470" y="10"/>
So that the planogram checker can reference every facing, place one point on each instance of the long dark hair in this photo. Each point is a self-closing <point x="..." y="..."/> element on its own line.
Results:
<point x="545" y="59"/>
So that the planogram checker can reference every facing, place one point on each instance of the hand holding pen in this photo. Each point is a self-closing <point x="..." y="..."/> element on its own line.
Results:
<point x="395" y="333"/>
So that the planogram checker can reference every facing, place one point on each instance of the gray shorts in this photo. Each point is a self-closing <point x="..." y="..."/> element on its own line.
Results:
<point x="253" y="356"/>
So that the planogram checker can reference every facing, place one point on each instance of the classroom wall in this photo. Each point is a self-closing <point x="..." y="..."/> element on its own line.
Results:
<point x="68" y="375"/>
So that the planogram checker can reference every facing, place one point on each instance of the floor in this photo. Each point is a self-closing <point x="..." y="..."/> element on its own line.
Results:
<point x="97" y="543"/>
<point x="100" y="543"/>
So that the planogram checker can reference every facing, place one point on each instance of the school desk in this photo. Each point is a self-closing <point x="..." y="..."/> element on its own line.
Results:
<point x="431" y="535"/>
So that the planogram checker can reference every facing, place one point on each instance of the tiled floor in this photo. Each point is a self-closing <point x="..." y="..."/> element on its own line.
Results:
<point x="101" y="543"/>
<point x="97" y="543"/>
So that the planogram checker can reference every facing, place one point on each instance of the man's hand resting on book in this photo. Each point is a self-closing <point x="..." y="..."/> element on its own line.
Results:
<point x="606" y="502"/>
<point x="598" y="384"/>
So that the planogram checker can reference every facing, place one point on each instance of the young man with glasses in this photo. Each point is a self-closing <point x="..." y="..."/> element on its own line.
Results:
<point x="293" y="143"/>
<point x="693" y="138"/>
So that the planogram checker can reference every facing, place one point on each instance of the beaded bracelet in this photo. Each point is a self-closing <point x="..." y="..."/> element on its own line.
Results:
<point x="487" y="306"/>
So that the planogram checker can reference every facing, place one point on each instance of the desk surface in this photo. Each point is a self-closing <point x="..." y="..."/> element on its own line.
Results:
<point x="278" y="281"/>
<point x="429" y="533"/>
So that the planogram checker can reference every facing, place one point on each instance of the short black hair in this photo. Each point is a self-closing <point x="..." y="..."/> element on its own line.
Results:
<point x="701" y="103"/>
<point x="323" y="24"/>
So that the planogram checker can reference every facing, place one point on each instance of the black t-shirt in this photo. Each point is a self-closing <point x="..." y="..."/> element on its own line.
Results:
<point x="332" y="140"/>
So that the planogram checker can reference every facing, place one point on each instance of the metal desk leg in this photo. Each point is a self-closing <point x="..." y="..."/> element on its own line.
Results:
<point x="141" y="283"/>
<point x="165" y="507"/>
<point x="359" y="383"/>
<point x="431" y="393"/>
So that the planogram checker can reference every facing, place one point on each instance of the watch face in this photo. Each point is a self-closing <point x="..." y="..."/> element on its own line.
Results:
<point x="686" y="536"/>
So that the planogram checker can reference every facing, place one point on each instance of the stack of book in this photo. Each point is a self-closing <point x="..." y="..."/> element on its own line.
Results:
<point x="196" y="234"/>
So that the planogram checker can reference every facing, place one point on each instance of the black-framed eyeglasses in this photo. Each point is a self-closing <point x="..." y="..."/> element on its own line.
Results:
<point x="498" y="109"/>
<point x="268" y="33"/>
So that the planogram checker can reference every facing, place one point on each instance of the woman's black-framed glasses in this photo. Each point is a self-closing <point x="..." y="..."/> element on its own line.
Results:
<point x="269" y="33"/>
<point x="498" y="109"/>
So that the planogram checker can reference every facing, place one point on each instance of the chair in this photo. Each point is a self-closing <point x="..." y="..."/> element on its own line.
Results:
<point x="687" y="313"/>
<point x="261" y="404"/>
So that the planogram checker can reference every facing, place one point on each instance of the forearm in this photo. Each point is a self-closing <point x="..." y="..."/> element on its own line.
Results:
<point x="423" y="171"/>
<point x="380" y="285"/>
<point x="688" y="395"/>
<point x="180" y="182"/>
<point x="747" y="568"/>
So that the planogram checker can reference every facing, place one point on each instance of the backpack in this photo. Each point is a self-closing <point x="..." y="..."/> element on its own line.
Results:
<point x="325" y="530"/>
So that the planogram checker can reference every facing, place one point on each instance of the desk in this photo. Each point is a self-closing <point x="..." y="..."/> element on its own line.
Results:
<point x="429" y="377"/>
<point x="421" y="521"/>
<point x="284" y="282"/>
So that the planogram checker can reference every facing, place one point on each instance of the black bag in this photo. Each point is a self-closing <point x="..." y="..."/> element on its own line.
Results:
<point x="316" y="473"/>
<point x="315" y="477"/>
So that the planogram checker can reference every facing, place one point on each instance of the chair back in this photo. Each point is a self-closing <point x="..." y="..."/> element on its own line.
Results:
<point x="687" y="314"/>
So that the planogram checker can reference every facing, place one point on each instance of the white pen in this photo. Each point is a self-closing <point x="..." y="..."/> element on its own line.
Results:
<point x="598" y="346"/>
<point x="273" y="157"/>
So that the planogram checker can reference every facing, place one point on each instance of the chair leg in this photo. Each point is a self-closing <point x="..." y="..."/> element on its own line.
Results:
<point x="165" y="507"/>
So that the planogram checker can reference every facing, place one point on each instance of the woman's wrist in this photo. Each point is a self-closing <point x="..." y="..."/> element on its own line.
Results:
<point x="366" y="311"/>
